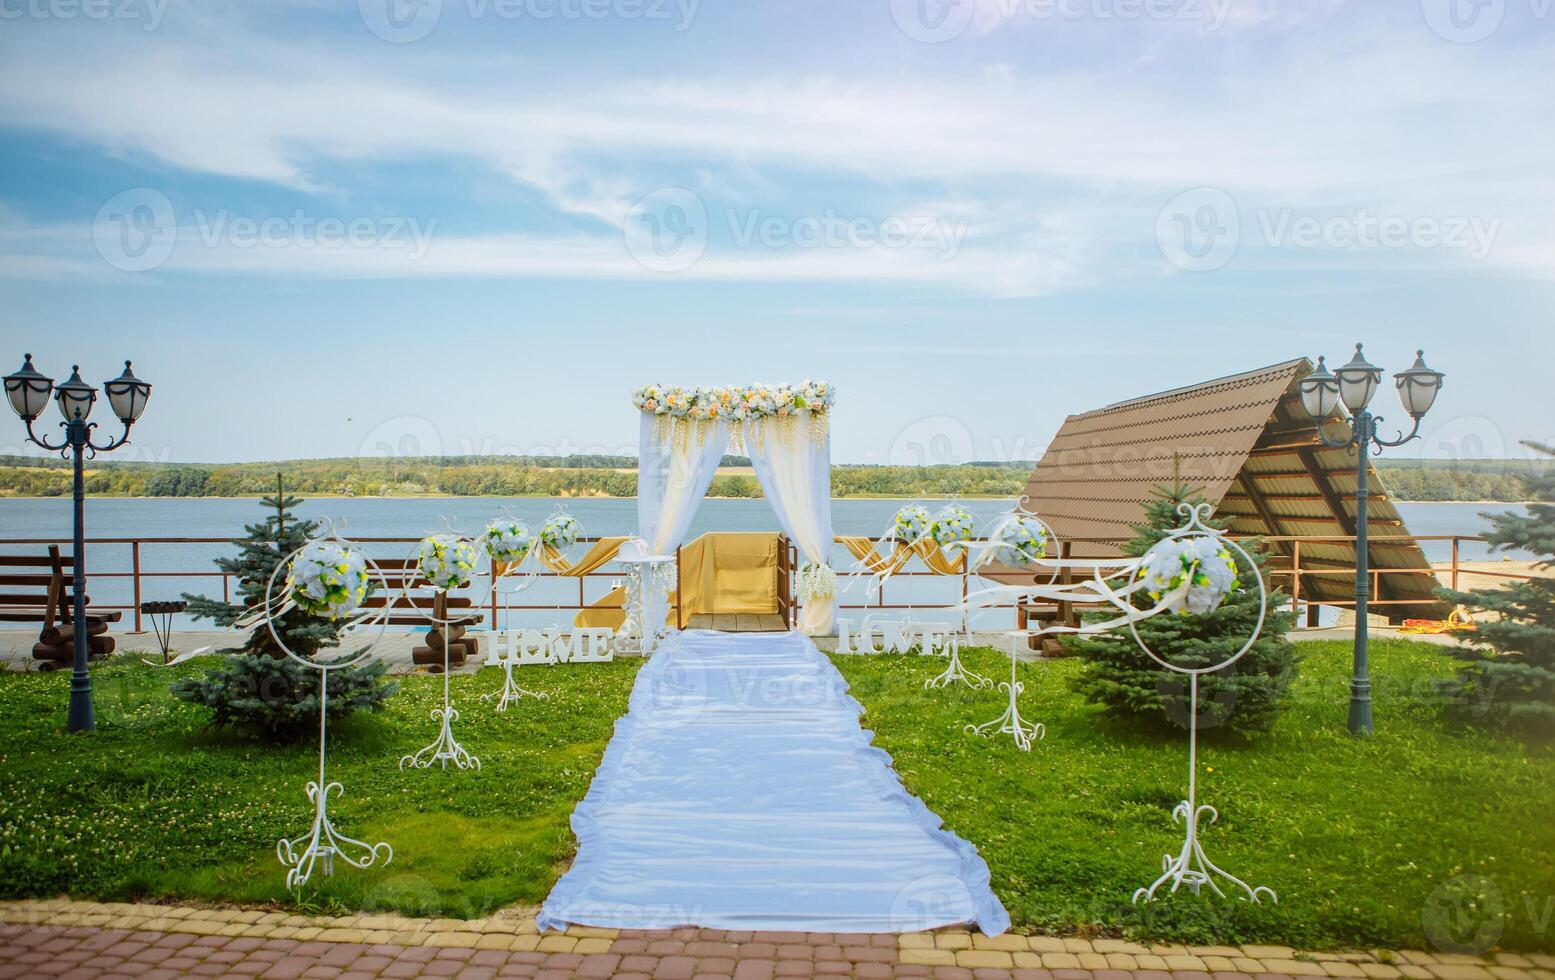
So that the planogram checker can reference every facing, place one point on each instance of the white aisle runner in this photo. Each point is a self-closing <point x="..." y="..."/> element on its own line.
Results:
<point x="739" y="792"/>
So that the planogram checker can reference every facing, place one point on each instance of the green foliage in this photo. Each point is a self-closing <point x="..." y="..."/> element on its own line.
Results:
<point x="158" y="805"/>
<point x="177" y="481"/>
<point x="264" y="690"/>
<point x="616" y="476"/>
<point x="480" y="476"/>
<point x="280" y="697"/>
<point x="1361" y="838"/>
<point x="734" y="485"/>
<point x="1509" y="680"/>
<point x="1461" y="479"/>
<point x="1241" y="699"/>
<point x="1352" y="833"/>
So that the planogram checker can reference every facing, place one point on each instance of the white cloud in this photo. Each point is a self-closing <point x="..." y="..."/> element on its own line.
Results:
<point x="1060" y="174"/>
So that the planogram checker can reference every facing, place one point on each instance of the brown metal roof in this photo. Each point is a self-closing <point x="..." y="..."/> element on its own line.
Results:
<point x="1245" y="443"/>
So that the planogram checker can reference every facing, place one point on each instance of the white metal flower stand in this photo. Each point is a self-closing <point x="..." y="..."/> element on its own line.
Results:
<point x="322" y="843"/>
<point x="1115" y="583"/>
<point x="1190" y="866"/>
<point x="956" y="672"/>
<point x="507" y="654"/>
<point x="445" y="748"/>
<point x="1011" y="723"/>
<point x="649" y="579"/>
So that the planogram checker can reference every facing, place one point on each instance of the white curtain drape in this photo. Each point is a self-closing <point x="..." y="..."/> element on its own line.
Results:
<point x="793" y="464"/>
<point x="673" y="473"/>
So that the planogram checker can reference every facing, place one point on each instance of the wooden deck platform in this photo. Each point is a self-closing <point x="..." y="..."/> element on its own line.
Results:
<point x="739" y="622"/>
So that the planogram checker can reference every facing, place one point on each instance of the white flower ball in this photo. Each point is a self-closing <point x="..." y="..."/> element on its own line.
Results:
<point x="1025" y="542"/>
<point x="911" y="524"/>
<point x="447" y="561"/>
<point x="327" y="579"/>
<point x="560" y="531"/>
<point x="953" y="524"/>
<point x="1195" y="574"/>
<point x="506" y="540"/>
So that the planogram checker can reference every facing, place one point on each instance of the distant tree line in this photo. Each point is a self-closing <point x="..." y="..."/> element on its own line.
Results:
<point x="616" y="476"/>
<point x="1421" y="483"/>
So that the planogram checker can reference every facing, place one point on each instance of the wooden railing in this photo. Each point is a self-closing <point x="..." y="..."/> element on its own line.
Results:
<point x="1287" y="570"/>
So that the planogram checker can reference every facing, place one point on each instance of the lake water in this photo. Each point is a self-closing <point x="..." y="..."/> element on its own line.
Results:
<point x="206" y="517"/>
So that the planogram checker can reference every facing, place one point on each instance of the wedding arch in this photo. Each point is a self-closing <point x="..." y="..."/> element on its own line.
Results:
<point x="784" y="429"/>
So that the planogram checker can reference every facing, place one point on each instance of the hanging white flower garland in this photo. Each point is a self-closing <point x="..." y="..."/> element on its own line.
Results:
<point x="816" y="582"/>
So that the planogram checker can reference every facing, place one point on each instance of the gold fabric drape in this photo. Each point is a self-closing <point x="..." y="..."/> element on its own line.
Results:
<point x="925" y="548"/>
<point x="604" y="549"/>
<point x="729" y="573"/>
<point x="605" y="612"/>
<point x="719" y="573"/>
<point x="609" y="611"/>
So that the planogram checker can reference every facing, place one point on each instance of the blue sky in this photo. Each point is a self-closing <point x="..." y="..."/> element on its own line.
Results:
<point x="324" y="228"/>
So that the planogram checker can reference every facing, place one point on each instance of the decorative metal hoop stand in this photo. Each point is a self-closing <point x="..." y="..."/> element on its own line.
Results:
<point x="511" y="692"/>
<point x="978" y="558"/>
<point x="445" y="748"/>
<point x="1011" y="723"/>
<point x="1190" y="866"/>
<point x="956" y="672"/>
<point x="322" y="843"/>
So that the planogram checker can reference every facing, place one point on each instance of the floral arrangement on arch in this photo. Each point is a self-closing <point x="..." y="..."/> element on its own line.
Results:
<point x="816" y="582"/>
<point x="1201" y="562"/>
<point x="327" y="579"/>
<point x="447" y="561"/>
<point x="735" y="403"/>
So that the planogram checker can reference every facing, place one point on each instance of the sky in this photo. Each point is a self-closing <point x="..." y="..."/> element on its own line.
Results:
<point x="328" y="228"/>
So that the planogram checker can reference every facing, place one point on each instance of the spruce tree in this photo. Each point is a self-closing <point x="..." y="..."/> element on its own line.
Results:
<point x="1240" y="699"/>
<point x="257" y="686"/>
<point x="1509" y="680"/>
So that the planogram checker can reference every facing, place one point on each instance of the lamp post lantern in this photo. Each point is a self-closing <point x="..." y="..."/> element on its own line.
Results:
<point x="1354" y="384"/>
<point x="28" y="391"/>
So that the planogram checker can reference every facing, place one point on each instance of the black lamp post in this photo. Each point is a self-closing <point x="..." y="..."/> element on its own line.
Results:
<point x="28" y="391"/>
<point x="1355" y="384"/>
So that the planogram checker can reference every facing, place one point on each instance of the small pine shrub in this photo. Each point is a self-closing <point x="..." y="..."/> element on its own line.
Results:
<point x="260" y="689"/>
<point x="1508" y="682"/>
<point x="1241" y="699"/>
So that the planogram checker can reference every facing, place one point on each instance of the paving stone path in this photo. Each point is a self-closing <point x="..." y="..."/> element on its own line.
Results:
<point x="92" y="941"/>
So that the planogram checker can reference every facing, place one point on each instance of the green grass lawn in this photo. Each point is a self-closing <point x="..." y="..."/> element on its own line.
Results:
<point x="1362" y="839"/>
<point x="153" y="805"/>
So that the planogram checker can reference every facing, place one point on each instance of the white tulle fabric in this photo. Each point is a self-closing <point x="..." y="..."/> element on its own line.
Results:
<point x="740" y="792"/>
<point x="793" y="465"/>
<point x="672" y="478"/>
<point x="792" y="460"/>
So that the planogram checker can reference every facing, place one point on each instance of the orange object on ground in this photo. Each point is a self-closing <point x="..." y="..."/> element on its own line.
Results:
<point x="1457" y="621"/>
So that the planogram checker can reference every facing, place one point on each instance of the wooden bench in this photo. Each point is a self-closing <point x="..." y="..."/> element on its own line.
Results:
<point x="49" y="602"/>
<point x="402" y="573"/>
